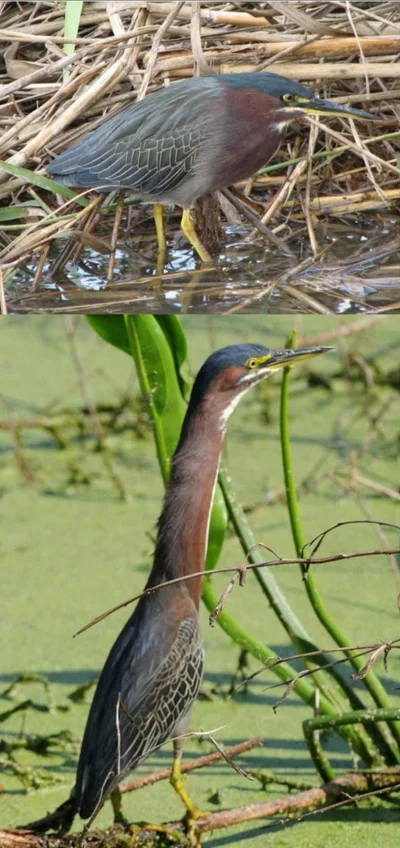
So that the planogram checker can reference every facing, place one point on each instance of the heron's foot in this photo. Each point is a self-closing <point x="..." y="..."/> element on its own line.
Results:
<point x="191" y="235"/>
<point x="192" y="831"/>
<point x="166" y="830"/>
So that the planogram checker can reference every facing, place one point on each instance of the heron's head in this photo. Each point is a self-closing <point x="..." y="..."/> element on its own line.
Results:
<point x="231" y="371"/>
<point x="288" y="99"/>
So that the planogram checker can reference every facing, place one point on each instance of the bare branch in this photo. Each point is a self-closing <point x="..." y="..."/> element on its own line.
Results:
<point x="191" y="765"/>
<point x="307" y="561"/>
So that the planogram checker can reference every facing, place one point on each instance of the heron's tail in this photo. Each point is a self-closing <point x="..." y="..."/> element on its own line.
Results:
<point x="60" y="820"/>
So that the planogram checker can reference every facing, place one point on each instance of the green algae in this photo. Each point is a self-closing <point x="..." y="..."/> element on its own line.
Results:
<point x="70" y="549"/>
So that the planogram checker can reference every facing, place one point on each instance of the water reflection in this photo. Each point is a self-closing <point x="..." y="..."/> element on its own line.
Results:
<point x="358" y="270"/>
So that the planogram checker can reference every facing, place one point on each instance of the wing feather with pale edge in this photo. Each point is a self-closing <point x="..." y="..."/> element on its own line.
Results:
<point x="149" y="681"/>
<point x="149" y="147"/>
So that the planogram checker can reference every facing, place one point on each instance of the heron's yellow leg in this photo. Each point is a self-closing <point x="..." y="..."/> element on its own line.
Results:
<point x="116" y="803"/>
<point x="190" y="233"/>
<point x="158" y="214"/>
<point x="114" y="238"/>
<point x="176" y="781"/>
<point x="193" y="812"/>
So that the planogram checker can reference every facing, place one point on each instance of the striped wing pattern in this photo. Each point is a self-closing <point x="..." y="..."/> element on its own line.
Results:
<point x="141" y="722"/>
<point x="149" y="147"/>
<point x="155" y="166"/>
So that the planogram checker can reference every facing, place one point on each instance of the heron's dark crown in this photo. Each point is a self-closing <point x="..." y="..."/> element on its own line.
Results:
<point x="225" y="357"/>
<point x="272" y="84"/>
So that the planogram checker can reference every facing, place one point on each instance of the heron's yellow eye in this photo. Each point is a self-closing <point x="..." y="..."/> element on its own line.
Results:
<point x="252" y="363"/>
<point x="288" y="98"/>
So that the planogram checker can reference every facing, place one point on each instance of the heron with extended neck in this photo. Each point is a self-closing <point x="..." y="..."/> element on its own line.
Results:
<point x="152" y="675"/>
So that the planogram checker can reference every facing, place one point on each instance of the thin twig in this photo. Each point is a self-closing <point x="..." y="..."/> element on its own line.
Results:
<point x="274" y="564"/>
<point x="191" y="765"/>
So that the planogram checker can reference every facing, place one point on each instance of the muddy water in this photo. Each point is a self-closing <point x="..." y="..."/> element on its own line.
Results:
<point x="70" y="548"/>
<point x="358" y="272"/>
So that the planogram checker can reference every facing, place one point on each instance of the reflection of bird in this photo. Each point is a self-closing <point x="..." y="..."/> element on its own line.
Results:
<point x="153" y="672"/>
<point x="189" y="139"/>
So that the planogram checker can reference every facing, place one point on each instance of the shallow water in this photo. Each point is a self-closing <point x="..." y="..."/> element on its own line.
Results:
<point x="70" y="549"/>
<point x="358" y="272"/>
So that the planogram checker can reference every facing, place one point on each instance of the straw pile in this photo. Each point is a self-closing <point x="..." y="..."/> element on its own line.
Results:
<point x="347" y="51"/>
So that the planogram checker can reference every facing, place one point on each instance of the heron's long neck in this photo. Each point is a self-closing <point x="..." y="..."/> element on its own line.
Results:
<point x="183" y="524"/>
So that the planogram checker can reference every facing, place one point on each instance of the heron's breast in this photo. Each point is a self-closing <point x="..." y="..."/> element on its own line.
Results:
<point x="250" y="138"/>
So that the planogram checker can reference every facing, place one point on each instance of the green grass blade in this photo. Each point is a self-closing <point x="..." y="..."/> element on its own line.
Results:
<point x="72" y="17"/>
<point x="41" y="181"/>
<point x="12" y="213"/>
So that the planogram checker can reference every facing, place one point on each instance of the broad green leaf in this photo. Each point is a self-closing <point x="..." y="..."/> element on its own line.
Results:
<point x="159" y="349"/>
<point x="112" y="329"/>
<point x="158" y="362"/>
<point x="173" y="330"/>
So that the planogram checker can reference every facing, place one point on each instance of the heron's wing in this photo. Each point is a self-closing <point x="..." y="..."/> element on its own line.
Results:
<point x="148" y="683"/>
<point x="152" y="167"/>
<point x="149" y="147"/>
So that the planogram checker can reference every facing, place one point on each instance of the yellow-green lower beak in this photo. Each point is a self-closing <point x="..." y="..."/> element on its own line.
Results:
<point x="316" y="106"/>
<point x="280" y="358"/>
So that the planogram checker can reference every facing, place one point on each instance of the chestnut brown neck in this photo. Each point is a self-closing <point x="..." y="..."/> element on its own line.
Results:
<point x="183" y="524"/>
<point x="251" y="136"/>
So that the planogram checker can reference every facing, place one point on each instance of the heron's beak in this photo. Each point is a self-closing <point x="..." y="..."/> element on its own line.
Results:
<point x="316" y="106"/>
<point x="280" y="358"/>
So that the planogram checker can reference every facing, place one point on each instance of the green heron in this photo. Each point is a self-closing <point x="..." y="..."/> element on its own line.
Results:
<point x="152" y="675"/>
<point x="189" y="139"/>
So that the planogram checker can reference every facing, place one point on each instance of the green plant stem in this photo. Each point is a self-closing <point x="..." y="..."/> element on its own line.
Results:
<point x="329" y="155"/>
<point x="302" y="641"/>
<point x="268" y="778"/>
<point x="371" y="681"/>
<point x="311" y="726"/>
<point x="284" y="671"/>
<point x="293" y="626"/>
<point x="72" y="16"/>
